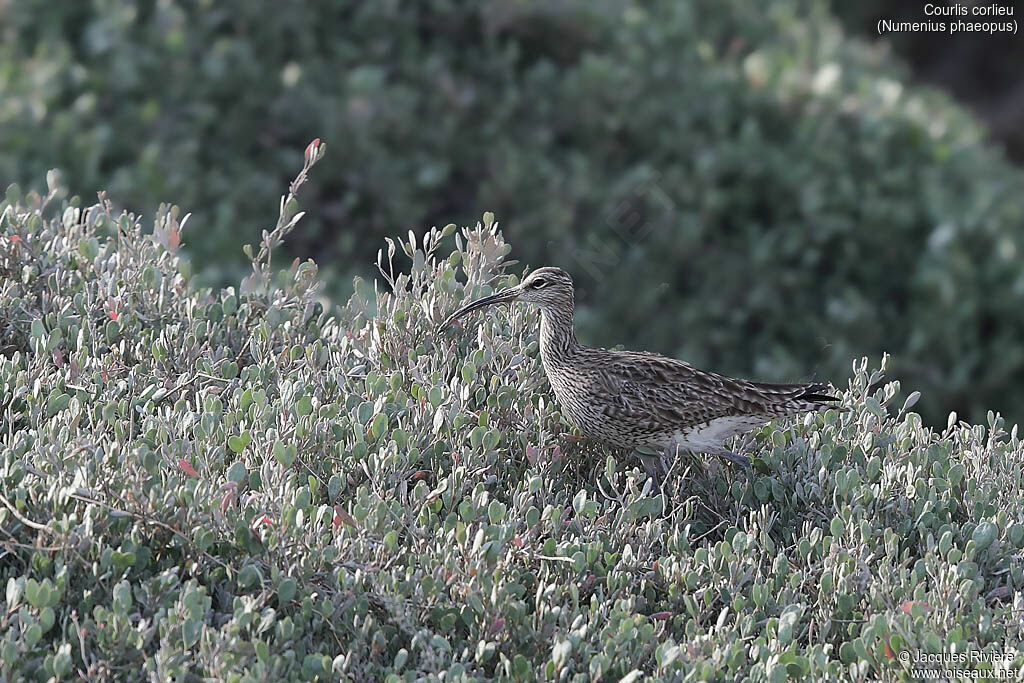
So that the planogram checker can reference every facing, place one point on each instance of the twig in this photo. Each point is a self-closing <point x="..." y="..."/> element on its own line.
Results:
<point x="213" y="377"/>
<point x="178" y="387"/>
<point x="24" y="520"/>
<point x="549" y="558"/>
<point x="708" y="532"/>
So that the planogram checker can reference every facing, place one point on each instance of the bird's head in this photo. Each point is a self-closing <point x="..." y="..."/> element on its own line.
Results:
<point x="549" y="287"/>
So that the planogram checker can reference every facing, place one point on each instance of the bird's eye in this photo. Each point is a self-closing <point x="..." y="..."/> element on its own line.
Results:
<point x="538" y="283"/>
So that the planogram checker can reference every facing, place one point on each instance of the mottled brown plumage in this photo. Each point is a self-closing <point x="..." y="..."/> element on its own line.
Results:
<point x="643" y="401"/>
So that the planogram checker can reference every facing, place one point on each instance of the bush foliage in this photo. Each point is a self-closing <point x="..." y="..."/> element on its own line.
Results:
<point x="238" y="484"/>
<point x="739" y="183"/>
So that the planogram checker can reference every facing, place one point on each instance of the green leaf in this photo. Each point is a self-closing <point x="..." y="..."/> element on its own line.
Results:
<point x="112" y="329"/>
<point x="984" y="534"/>
<point x="286" y="589"/>
<point x="249" y="576"/>
<point x="32" y="635"/>
<point x="561" y="652"/>
<point x="496" y="512"/>
<point x="837" y="527"/>
<point x="241" y="442"/>
<point x="121" y="560"/>
<point x="89" y="248"/>
<point x="122" y="597"/>
<point x="47" y="617"/>
<point x="15" y="590"/>
<point x="237" y="472"/>
<point x="380" y="425"/>
<point x="229" y="370"/>
<point x="62" y="661"/>
<point x="787" y="622"/>
<point x="579" y="501"/>
<point x="32" y="592"/>
<point x="284" y="454"/>
<point x="190" y="632"/>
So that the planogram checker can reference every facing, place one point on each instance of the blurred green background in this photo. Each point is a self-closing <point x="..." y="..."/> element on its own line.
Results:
<point x="761" y="188"/>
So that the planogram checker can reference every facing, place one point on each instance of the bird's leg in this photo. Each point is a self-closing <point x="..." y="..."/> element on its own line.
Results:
<point x="655" y="468"/>
<point x="746" y="443"/>
<point x="654" y="465"/>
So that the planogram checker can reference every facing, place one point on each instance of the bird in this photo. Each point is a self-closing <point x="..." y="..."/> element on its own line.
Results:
<point x="650" y="404"/>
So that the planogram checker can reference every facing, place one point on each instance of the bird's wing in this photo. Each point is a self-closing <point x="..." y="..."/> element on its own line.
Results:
<point x="663" y="391"/>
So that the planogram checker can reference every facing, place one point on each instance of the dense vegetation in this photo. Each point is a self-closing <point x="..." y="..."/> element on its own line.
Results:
<point x="736" y="183"/>
<point x="238" y="484"/>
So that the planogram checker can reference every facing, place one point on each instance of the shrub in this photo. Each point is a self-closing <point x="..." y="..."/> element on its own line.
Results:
<point x="738" y="184"/>
<point x="237" y="484"/>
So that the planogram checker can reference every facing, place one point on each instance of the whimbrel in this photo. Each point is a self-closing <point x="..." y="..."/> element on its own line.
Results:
<point x="645" y="402"/>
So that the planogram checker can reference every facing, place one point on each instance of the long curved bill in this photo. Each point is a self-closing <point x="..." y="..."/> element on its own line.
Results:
<point x="496" y="298"/>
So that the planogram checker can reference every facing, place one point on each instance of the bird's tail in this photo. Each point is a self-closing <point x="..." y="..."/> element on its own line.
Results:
<point x="799" y="397"/>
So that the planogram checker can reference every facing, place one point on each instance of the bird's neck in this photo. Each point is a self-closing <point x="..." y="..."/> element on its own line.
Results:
<point x="557" y="336"/>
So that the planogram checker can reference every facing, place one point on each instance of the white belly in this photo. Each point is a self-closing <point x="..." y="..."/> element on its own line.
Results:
<point x="709" y="437"/>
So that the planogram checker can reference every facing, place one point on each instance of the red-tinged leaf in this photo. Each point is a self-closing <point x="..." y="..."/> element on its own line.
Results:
<point x="419" y="475"/>
<point x="518" y="542"/>
<point x="173" y="240"/>
<point x="311" y="148"/>
<point x="341" y="516"/>
<point x="888" y="652"/>
<point x="187" y="468"/>
<point x="15" y="238"/>
<point x="58" y="358"/>
<point x="531" y="455"/>
<point x="113" y="315"/>
<point x="226" y="499"/>
<point x="909" y="605"/>
<point x="661" y="616"/>
<point x="496" y="626"/>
